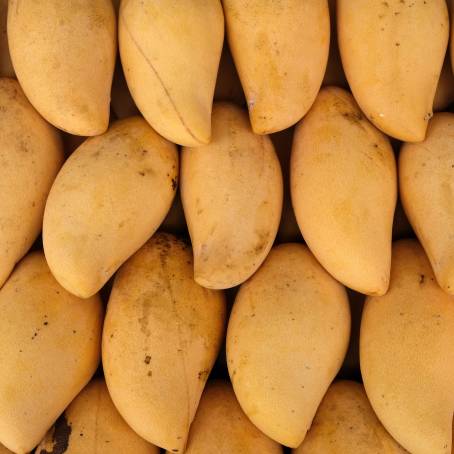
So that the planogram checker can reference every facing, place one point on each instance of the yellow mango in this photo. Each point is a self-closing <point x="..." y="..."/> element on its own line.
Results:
<point x="344" y="190"/>
<point x="280" y="51"/>
<point x="161" y="337"/>
<point x="346" y="423"/>
<point x="92" y="425"/>
<point x="50" y="347"/>
<point x="392" y="53"/>
<point x="406" y="354"/>
<point x="426" y="172"/>
<point x="231" y="191"/>
<point x="30" y="156"/>
<point x="110" y="196"/>
<point x="170" y="52"/>
<point x="221" y="427"/>
<point x="64" y="56"/>
<point x="286" y="339"/>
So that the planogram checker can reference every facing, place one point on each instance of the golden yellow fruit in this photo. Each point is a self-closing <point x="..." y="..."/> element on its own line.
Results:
<point x="110" y="196"/>
<point x="170" y="51"/>
<point x="344" y="191"/>
<point x="426" y="171"/>
<point x="92" y="425"/>
<point x="280" y="52"/>
<point x="161" y="337"/>
<point x="30" y="156"/>
<point x="346" y="423"/>
<point x="50" y="347"/>
<point x="286" y="340"/>
<point x="231" y="191"/>
<point x="392" y="53"/>
<point x="221" y="427"/>
<point x="64" y="56"/>
<point x="407" y="359"/>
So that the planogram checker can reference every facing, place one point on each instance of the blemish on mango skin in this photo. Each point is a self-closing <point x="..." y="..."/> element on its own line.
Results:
<point x="60" y="437"/>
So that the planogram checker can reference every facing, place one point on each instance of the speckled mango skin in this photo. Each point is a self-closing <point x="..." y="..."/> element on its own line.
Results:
<point x="426" y="172"/>
<point x="287" y="337"/>
<point x="392" y="53"/>
<point x="346" y="423"/>
<point x="30" y="156"/>
<point x="50" y="347"/>
<point x="232" y="192"/>
<point x="280" y="50"/>
<point x="406" y="354"/>
<point x="343" y="184"/>
<point x="92" y="424"/>
<point x="170" y="52"/>
<point x="161" y="337"/>
<point x="55" y="47"/>
<point x="110" y="196"/>
<point x="221" y="426"/>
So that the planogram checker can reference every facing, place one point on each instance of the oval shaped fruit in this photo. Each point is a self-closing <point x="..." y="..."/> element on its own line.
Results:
<point x="64" y="56"/>
<point x="287" y="336"/>
<point x="407" y="359"/>
<point x="161" y="337"/>
<point x="30" y="157"/>
<point x="346" y="423"/>
<point x="92" y="424"/>
<point x="426" y="181"/>
<point x="231" y="191"/>
<point x="280" y="52"/>
<point x="392" y="53"/>
<point x="110" y="196"/>
<point x="6" y="67"/>
<point x="179" y="76"/>
<point x="344" y="191"/>
<point x="50" y="348"/>
<point x="221" y="426"/>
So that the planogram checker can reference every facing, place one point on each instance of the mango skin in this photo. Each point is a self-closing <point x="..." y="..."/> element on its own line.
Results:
<point x="231" y="192"/>
<point x="344" y="190"/>
<point x="50" y="347"/>
<point x="287" y="337"/>
<point x="173" y="84"/>
<point x="162" y="334"/>
<point x="221" y="426"/>
<point x="391" y="64"/>
<point x="280" y="52"/>
<point x="406" y="354"/>
<point x="92" y="424"/>
<point x="63" y="54"/>
<point x="30" y="156"/>
<point x="346" y="423"/>
<point x="110" y="196"/>
<point x="426" y="190"/>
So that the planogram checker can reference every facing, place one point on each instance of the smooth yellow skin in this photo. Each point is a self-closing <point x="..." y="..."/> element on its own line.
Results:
<point x="50" y="347"/>
<point x="30" y="156"/>
<point x="280" y="50"/>
<point x="392" y="53"/>
<point x="6" y="67"/>
<point x="64" y="56"/>
<point x="161" y="337"/>
<point x="346" y="423"/>
<point x="108" y="199"/>
<point x="287" y="337"/>
<point x="231" y="191"/>
<point x="95" y="426"/>
<point x="344" y="190"/>
<point x="406" y="354"/>
<point x="426" y="181"/>
<point x="221" y="427"/>
<point x="170" y="52"/>
<point x="445" y="89"/>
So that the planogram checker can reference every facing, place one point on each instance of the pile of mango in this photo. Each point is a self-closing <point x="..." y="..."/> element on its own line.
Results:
<point x="226" y="227"/>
